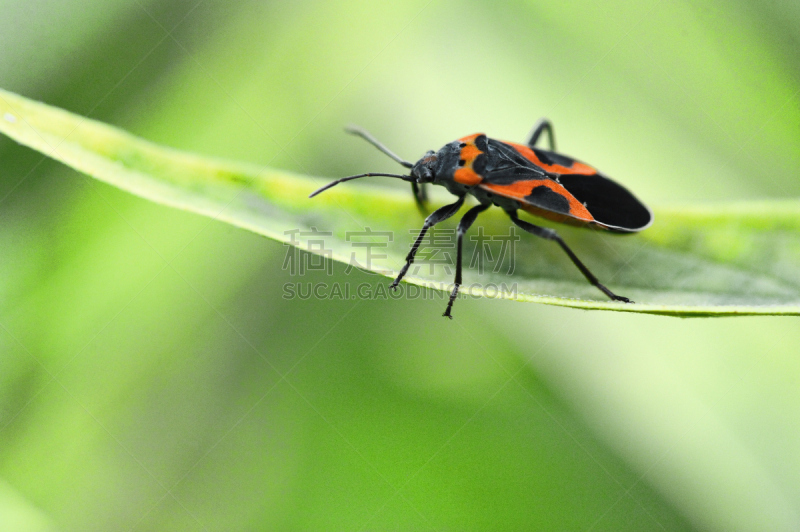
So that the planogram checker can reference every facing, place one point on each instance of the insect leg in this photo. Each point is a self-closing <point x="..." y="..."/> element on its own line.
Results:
<point x="463" y="227"/>
<point x="442" y="213"/>
<point x="536" y="132"/>
<point x="550" y="234"/>
<point x="420" y="195"/>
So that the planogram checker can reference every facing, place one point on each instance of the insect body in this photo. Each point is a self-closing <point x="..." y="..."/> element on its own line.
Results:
<point x="515" y="176"/>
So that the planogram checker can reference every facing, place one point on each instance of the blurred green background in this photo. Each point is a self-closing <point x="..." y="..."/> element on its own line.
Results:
<point x="152" y="377"/>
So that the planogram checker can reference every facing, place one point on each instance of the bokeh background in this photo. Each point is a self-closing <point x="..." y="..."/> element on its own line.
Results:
<point x="152" y="376"/>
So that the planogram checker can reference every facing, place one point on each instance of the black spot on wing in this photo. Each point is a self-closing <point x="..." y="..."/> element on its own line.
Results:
<point x="504" y="165"/>
<point x="481" y="142"/>
<point x="479" y="164"/>
<point x="508" y="155"/>
<point x="510" y="174"/>
<point x="542" y="155"/>
<point x="608" y="202"/>
<point x="551" y="157"/>
<point x="547" y="199"/>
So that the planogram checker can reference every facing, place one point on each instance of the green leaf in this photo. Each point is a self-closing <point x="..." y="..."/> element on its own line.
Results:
<point x="699" y="260"/>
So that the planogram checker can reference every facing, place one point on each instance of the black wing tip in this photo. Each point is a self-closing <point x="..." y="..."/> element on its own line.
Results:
<point x="623" y="230"/>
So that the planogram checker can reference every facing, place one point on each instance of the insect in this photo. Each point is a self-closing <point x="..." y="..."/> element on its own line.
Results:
<point x="513" y="176"/>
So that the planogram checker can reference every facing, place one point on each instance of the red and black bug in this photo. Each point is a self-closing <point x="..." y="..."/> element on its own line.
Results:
<point x="515" y="176"/>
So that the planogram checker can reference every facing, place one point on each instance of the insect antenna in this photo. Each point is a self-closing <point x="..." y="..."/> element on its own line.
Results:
<point x="349" y="178"/>
<point x="364" y="134"/>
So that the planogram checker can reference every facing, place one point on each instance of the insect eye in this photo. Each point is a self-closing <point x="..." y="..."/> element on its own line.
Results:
<point x="461" y="162"/>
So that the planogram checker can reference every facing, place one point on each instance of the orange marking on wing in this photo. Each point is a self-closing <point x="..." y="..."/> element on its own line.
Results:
<point x="517" y="190"/>
<point x="577" y="209"/>
<point x="520" y="189"/>
<point x="576" y="168"/>
<point x="469" y="152"/>
<point x="467" y="176"/>
<point x="470" y="139"/>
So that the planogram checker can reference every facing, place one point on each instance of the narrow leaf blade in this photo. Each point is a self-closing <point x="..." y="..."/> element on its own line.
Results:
<point x="700" y="260"/>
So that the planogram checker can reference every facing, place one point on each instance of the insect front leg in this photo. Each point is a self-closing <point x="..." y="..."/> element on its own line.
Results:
<point x="440" y="214"/>
<point x="550" y="234"/>
<point x="541" y="126"/>
<point x="463" y="227"/>
<point x="420" y="195"/>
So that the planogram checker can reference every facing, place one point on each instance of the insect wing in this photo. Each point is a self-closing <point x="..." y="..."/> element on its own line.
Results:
<point x="581" y="194"/>
<point x="545" y="198"/>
